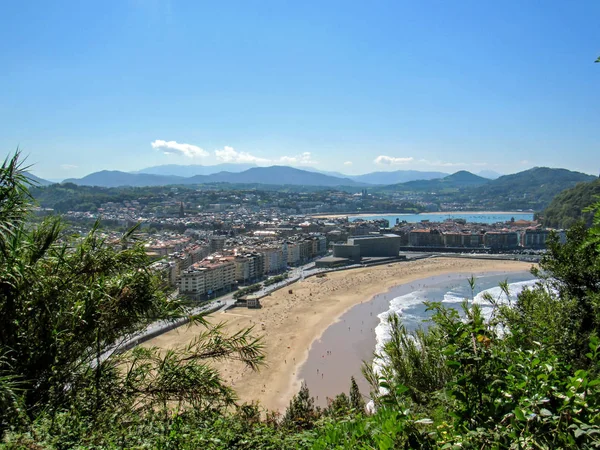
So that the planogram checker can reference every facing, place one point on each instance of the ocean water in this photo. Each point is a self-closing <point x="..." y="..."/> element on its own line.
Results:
<point x="410" y="308"/>
<point x="412" y="311"/>
<point x="351" y="342"/>
<point x="473" y="217"/>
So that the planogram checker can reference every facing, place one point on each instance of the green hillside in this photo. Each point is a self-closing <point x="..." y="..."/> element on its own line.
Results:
<point x="567" y="207"/>
<point x="531" y="189"/>
<point x="454" y="182"/>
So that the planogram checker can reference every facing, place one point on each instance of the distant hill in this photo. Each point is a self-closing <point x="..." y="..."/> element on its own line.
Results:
<point x="274" y="175"/>
<point x="397" y="176"/>
<point x="191" y="170"/>
<point x="37" y="180"/>
<point x="464" y="178"/>
<point x="280" y="175"/>
<point x="115" y="178"/>
<point x="458" y="180"/>
<point x="531" y="189"/>
<point x="567" y="207"/>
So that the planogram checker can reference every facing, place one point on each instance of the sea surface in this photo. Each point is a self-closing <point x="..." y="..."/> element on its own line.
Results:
<point x="474" y="217"/>
<point x="349" y="343"/>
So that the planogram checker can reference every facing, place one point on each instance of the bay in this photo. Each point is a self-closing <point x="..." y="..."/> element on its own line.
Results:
<point x="471" y="217"/>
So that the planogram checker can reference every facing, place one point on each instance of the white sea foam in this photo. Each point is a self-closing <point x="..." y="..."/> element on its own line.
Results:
<point x="398" y="304"/>
<point x="514" y="289"/>
<point x="382" y="330"/>
<point x="453" y="297"/>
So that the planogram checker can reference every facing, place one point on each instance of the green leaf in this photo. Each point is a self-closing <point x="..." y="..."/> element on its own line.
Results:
<point x="519" y="414"/>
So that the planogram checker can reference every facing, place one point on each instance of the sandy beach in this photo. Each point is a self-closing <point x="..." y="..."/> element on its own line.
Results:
<point x="292" y="321"/>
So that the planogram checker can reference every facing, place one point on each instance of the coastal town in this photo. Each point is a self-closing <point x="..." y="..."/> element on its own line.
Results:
<point x="226" y="246"/>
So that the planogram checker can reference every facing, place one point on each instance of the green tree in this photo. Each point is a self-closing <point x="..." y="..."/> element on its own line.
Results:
<point x="301" y="412"/>
<point x="573" y="270"/>
<point x="356" y="399"/>
<point x="68" y="307"/>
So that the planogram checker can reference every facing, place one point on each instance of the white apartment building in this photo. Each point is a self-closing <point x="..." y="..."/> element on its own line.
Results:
<point x="275" y="258"/>
<point x="207" y="277"/>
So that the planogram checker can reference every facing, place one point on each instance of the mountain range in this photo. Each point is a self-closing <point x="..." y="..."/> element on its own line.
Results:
<point x="531" y="189"/>
<point x="244" y="173"/>
<point x="381" y="177"/>
<point x="533" y="182"/>
<point x="274" y="175"/>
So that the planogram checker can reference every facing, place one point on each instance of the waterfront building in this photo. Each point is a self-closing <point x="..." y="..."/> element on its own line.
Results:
<point x="248" y="267"/>
<point x="501" y="240"/>
<point x="210" y="276"/>
<point x="293" y="257"/>
<point x="375" y="245"/>
<point x="534" y="238"/>
<point x="425" y="238"/>
<point x="275" y="258"/>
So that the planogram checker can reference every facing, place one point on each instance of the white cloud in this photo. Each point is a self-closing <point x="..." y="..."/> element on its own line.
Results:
<point x="68" y="166"/>
<point x="230" y="155"/>
<point x="175" y="148"/>
<point x="298" y="160"/>
<point x="348" y="163"/>
<point x="390" y="160"/>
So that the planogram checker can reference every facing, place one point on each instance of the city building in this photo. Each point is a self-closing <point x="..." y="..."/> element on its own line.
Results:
<point x="534" y="238"/>
<point x="501" y="240"/>
<point x="425" y="238"/>
<point x="208" y="277"/>
<point x="375" y="245"/>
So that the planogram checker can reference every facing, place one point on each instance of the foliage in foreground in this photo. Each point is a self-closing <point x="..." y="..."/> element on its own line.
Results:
<point x="69" y="307"/>
<point x="526" y="377"/>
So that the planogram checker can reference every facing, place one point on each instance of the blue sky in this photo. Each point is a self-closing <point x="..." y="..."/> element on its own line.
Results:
<point x="338" y="85"/>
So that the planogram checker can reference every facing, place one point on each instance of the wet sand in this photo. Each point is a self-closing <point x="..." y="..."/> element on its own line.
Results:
<point x="294" y="321"/>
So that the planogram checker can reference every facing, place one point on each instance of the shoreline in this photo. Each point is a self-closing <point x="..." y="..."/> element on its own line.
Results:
<point x="294" y="321"/>
<point x="348" y="343"/>
<point x="339" y="216"/>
